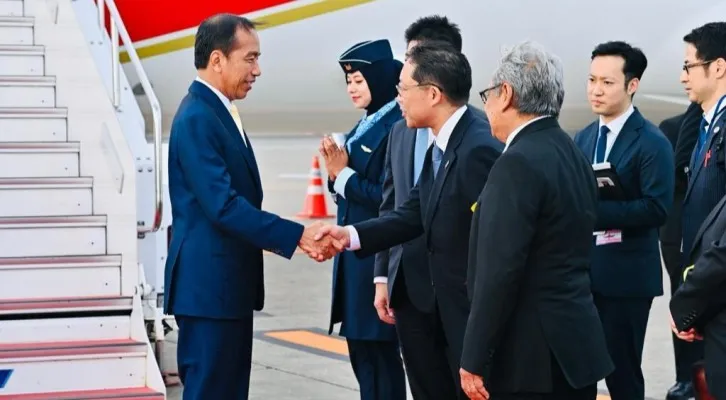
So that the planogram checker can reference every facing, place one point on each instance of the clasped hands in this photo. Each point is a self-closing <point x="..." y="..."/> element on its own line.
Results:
<point x="322" y="242"/>
<point x="689" y="335"/>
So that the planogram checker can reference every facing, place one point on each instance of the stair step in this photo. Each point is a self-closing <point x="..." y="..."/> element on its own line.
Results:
<point x="59" y="350"/>
<point x="22" y="59"/>
<point x="16" y="30"/>
<point x="33" y="124"/>
<point x="22" y="48"/>
<point x="5" y="19"/>
<point x="46" y="183"/>
<point x="25" y="197"/>
<point x="52" y="236"/>
<point x="140" y="393"/>
<point x="11" y="8"/>
<point x="78" y="327"/>
<point x="27" y="91"/>
<point x="78" y="365"/>
<point x="31" y="278"/>
<point x="75" y="305"/>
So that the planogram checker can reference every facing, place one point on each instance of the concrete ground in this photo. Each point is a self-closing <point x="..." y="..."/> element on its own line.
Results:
<point x="293" y="357"/>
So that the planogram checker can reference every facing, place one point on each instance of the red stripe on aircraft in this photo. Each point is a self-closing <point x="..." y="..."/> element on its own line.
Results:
<point x="145" y="19"/>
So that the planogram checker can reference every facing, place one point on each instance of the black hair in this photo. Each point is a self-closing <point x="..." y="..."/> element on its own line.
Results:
<point x="440" y="64"/>
<point x="635" y="60"/>
<point x="434" y="27"/>
<point x="218" y="32"/>
<point x="709" y="41"/>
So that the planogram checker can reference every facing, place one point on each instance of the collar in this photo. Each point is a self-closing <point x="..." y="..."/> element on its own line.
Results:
<point x="216" y="91"/>
<point x="442" y="139"/>
<point x="721" y="104"/>
<point x="617" y="124"/>
<point x="511" y="136"/>
<point x="429" y="135"/>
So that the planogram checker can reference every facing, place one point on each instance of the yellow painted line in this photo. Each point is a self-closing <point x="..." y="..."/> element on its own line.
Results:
<point x="330" y="344"/>
<point x="312" y="340"/>
<point x="268" y="21"/>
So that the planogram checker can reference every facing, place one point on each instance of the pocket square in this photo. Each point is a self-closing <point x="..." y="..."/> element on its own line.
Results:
<point x="366" y="149"/>
<point x="473" y="206"/>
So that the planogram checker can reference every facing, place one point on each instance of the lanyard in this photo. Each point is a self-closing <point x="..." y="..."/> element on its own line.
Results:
<point x="716" y="114"/>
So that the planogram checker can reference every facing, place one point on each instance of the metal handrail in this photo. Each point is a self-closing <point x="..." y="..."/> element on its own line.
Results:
<point x="118" y="29"/>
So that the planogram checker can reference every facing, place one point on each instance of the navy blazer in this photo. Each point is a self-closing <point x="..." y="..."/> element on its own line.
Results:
<point x="214" y="267"/>
<point x="353" y="288"/>
<point x="706" y="184"/>
<point x="643" y="159"/>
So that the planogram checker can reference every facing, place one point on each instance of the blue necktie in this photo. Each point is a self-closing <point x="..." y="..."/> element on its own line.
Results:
<point x="702" y="138"/>
<point x="602" y="142"/>
<point x="422" y="144"/>
<point x="436" y="156"/>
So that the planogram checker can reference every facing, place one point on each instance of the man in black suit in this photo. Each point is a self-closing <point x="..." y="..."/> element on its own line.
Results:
<point x="682" y="132"/>
<point x="433" y="92"/>
<point x="704" y="78"/>
<point x="698" y="308"/>
<point x="401" y="273"/>
<point x="533" y="331"/>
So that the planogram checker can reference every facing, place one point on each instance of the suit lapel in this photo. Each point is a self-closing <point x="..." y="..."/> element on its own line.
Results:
<point x="591" y="141"/>
<point x="706" y="224"/>
<point x="447" y="162"/>
<point x="225" y="117"/>
<point x="369" y="141"/>
<point x="699" y="163"/>
<point x="628" y="134"/>
<point x="408" y="144"/>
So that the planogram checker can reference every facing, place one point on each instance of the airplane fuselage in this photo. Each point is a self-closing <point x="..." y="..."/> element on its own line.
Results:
<point x="302" y="88"/>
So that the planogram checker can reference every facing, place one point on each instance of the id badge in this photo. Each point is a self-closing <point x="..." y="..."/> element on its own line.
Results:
<point x="608" y="237"/>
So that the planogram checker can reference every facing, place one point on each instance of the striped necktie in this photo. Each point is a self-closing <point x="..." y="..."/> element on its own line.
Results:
<point x="237" y="121"/>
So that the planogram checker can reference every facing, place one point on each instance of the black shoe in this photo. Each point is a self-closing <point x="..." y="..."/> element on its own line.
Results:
<point x="681" y="391"/>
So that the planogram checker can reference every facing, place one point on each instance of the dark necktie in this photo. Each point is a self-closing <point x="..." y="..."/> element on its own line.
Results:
<point x="436" y="156"/>
<point x="702" y="138"/>
<point x="602" y="142"/>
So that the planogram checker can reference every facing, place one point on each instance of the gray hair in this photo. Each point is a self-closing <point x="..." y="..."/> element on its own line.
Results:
<point x="536" y="77"/>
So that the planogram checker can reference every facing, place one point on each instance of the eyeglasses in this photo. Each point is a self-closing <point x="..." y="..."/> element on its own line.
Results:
<point x="483" y="93"/>
<point x="687" y="66"/>
<point x="401" y="88"/>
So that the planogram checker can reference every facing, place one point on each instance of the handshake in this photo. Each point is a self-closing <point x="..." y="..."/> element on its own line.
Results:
<point x="322" y="242"/>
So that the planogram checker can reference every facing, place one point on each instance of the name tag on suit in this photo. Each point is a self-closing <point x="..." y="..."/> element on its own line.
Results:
<point x="608" y="237"/>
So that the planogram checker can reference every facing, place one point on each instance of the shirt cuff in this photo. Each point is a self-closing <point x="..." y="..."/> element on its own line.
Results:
<point x="354" y="239"/>
<point x="342" y="179"/>
<point x="380" y="279"/>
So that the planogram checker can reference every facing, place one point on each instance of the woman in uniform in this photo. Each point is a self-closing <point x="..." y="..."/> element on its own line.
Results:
<point x="356" y="171"/>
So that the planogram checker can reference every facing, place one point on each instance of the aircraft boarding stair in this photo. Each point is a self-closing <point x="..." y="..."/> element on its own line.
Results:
<point x="71" y="323"/>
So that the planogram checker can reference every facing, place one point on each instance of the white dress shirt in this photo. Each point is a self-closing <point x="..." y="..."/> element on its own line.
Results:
<point x="442" y="140"/>
<point x="511" y="136"/>
<point x="227" y="105"/>
<point x="708" y="116"/>
<point x="615" y="126"/>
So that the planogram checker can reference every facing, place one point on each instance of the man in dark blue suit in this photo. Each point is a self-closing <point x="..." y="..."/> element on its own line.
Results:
<point x="704" y="77"/>
<point x="626" y="263"/>
<point x="682" y="132"/>
<point x="214" y="272"/>
<point x="402" y="274"/>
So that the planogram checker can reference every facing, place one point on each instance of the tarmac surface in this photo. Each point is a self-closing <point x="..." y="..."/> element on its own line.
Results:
<point x="293" y="357"/>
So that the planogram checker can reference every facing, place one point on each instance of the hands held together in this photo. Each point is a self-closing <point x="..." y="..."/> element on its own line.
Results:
<point x="322" y="242"/>
<point x="688" y="336"/>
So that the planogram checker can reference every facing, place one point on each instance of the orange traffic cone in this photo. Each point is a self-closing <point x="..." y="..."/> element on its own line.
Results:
<point x="315" y="206"/>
